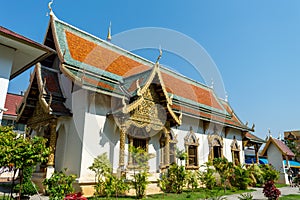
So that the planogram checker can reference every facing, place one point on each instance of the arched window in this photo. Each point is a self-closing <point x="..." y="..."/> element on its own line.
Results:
<point x="235" y="151"/>
<point x="168" y="148"/>
<point x="191" y="144"/>
<point x="215" y="146"/>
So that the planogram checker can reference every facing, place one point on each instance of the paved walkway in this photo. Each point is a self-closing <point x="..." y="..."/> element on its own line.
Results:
<point x="258" y="194"/>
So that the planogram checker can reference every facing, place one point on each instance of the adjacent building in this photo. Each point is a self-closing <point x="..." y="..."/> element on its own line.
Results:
<point x="278" y="155"/>
<point x="17" y="54"/>
<point x="10" y="115"/>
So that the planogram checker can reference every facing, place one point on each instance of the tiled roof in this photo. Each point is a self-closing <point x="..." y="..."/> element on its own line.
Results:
<point x="11" y="103"/>
<point x="5" y="31"/>
<point x="98" y="64"/>
<point x="44" y="84"/>
<point x="285" y="150"/>
<point x="254" y="138"/>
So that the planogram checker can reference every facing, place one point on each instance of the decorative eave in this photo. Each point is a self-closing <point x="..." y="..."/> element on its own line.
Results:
<point x="140" y="91"/>
<point x="36" y="73"/>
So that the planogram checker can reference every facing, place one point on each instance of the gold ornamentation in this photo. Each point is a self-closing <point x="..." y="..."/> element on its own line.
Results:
<point x="52" y="143"/>
<point x="122" y="148"/>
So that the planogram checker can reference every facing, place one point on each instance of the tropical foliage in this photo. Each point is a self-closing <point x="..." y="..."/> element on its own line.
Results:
<point x="21" y="152"/>
<point x="59" y="185"/>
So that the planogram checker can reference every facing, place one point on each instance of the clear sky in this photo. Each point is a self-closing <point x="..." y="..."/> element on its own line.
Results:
<point x="255" y="44"/>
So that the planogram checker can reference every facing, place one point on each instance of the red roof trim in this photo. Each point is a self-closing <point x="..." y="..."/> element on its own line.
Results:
<point x="11" y="103"/>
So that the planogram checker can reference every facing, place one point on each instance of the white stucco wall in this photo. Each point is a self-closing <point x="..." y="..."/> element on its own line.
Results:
<point x="275" y="158"/>
<point x="101" y="135"/>
<point x="6" y="61"/>
<point x="92" y="132"/>
<point x="74" y="128"/>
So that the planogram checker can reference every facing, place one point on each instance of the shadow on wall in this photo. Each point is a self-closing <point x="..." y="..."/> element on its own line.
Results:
<point x="109" y="135"/>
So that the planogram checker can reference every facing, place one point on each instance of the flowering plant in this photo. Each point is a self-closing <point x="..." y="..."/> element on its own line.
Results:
<point x="271" y="191"/>
<point x="75" y="196"/>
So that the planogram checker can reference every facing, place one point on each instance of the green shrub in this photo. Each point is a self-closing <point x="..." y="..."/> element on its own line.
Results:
<point x="140" y="183"/>
<point x="241" y="178"/>
<point x="192" y="180"/>
<point x="114" y="185"/>
<point x="174" y="179"/>
<point x="140" y="177"/>
<point x="59" y="185"/>
<point x="269" y="173"/>
<point x="225" y="169"/>
<point x="207" y="177"/>
<point x="246" y="196"/>
<point x="102" y="168"/>
<point x="28" y="188"/>
<point x="256" y="175"/>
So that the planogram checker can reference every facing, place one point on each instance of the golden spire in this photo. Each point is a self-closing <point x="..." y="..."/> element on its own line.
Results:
<point x="108" y="38"/>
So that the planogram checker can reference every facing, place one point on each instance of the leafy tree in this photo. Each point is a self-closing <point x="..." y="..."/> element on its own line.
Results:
<point x="29" y="188"/>
<point x="21" y="152"/>
<point x="294" y="147"/>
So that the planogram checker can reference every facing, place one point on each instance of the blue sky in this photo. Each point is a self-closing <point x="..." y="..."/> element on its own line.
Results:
<point x="255" y="44"/>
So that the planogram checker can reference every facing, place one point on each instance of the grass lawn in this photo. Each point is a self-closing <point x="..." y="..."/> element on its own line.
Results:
<point x="290" y="197"/>
<point x="199" y="194"/>
<point x="280" y="185"/>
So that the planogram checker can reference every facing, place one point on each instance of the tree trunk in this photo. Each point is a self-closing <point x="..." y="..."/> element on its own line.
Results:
<point x="21" y="181"/>
<point x="13" y="183"/>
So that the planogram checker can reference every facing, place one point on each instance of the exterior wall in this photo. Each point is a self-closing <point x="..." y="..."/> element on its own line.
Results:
<point x="66" y="87"/>
<point x="74" y="128"/>
<point x="6" y="61"/>
<point x="203" y="148"/>
<point x="275" y="158"/>
<point x="228" y="141"/>
<point x="91" y="132"/>
<point x="101" y="135"/>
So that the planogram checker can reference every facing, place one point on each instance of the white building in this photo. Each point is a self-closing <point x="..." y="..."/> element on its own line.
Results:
<point x="278" y="156"/>
<point x="17" y="54"/>
<point x="94" y="97"/>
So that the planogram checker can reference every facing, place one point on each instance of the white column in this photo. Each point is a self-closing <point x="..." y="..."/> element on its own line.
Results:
<point x="6" y="62"/>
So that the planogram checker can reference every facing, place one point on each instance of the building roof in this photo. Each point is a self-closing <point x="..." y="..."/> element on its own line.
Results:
<point x="12" y="101"/>
<point x="252" y="138"/>
<point x="98" y="65"/>
<point x="44" y="89"/>
<point x="285" y="150"/>
<point x="27" y="52"/>
<point x="292" y="135"/>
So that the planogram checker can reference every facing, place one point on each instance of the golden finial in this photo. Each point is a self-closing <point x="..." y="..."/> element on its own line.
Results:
<point x="159" y="56"/>
<point x="49" y="5"/>
<point x="108" y="38"/>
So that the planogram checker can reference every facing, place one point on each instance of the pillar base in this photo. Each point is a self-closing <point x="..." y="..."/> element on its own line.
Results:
<point x="50" y="171"/>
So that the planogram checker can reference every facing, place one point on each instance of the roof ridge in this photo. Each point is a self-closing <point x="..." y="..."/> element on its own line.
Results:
<point x="187" y="78"/>
<point x="146" y="61"/>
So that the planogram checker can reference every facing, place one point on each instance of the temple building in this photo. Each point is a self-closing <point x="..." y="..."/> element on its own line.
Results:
<point x="293" y="137"/>
<point x="93" y="97"/>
